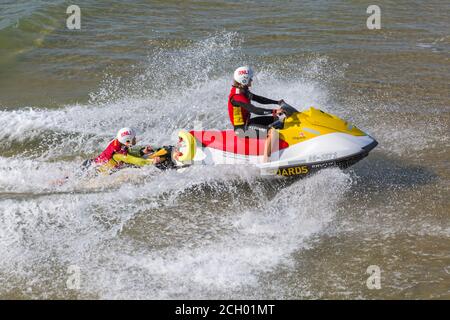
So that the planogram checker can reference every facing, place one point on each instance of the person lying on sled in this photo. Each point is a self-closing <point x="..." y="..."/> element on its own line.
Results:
<point x="240" y="109"/>
<point x="120" y="151"/>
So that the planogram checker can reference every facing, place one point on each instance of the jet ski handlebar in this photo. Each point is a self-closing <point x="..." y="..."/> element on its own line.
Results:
<point x="288" y="111"/>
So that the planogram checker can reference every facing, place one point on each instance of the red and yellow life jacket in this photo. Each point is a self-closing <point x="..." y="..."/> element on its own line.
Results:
<point x="238" y="115"/>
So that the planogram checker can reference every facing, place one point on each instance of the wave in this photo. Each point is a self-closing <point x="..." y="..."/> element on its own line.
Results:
<point x="140" y="242"/>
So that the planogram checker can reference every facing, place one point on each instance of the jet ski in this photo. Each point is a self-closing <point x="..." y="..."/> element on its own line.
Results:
<point x="308" y="141"/>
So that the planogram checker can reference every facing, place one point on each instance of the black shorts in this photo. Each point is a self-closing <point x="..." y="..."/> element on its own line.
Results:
<point x="257" y="127"/>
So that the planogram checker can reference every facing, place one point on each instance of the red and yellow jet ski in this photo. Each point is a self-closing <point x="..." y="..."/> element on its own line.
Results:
<point x="308" y="141"/>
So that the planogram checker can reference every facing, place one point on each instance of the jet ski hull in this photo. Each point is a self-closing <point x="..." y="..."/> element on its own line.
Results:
<point x="309" y="168"/>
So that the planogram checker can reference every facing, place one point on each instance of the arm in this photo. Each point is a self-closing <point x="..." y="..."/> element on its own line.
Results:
<point x="251" y="108"/>
<point x="136" y="151"/>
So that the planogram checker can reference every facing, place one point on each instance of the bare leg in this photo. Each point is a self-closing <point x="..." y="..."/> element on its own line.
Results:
<point x="268" y="146"/>
<point x="271" y="144"/>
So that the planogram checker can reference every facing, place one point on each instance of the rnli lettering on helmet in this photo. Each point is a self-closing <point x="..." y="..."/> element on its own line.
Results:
<point x="293" y="171"/>
<point x="125" y="133"/>
<point x="241" y="72"/>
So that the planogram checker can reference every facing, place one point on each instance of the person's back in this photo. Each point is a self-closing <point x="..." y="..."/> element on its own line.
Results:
<point x="113" y="147"/>
<point x="238" y="116"/>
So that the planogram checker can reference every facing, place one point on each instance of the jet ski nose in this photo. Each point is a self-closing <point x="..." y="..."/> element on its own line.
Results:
<point x="371" y="145"/>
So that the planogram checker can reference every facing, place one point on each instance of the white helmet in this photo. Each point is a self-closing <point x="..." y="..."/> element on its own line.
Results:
<point x="126" y="134"/>
<point x="243" y="75"/>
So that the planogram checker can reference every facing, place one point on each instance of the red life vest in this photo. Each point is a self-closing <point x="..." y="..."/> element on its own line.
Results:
<point x="113" y="147"/>
<point x="238" y="115"/>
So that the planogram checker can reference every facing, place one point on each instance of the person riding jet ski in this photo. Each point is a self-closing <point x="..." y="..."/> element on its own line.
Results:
<point x="240" y="109"/>
<point x="122" y="150"/>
